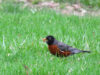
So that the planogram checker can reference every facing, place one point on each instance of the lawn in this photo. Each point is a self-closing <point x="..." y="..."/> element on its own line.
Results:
<point x="23" y="52"/>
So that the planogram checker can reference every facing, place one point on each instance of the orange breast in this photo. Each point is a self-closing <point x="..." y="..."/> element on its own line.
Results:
<point x="56" y="51"/>
<point x="53" y="49"/>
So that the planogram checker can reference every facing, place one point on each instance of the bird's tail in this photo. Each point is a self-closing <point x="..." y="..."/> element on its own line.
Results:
<point x="80" y="51"/>
<point x="74" y="50"/>
<point x="86" y="51"/>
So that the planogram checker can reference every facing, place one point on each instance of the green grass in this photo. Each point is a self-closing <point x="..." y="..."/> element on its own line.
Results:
<point x="21" y="45"/>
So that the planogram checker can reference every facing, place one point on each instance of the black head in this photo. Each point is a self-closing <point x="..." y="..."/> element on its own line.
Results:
<point x="50" y="40"/>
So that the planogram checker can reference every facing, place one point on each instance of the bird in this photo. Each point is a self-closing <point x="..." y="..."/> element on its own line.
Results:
<point x="61" y="49"/>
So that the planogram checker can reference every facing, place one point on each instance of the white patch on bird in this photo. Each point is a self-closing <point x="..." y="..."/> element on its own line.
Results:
<point x="61" y="51"/>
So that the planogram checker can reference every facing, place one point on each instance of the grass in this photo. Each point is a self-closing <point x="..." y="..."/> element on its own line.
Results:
<point x="23" y="52"/>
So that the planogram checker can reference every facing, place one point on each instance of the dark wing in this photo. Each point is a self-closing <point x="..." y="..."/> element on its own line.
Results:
<point x="64" y="47"/>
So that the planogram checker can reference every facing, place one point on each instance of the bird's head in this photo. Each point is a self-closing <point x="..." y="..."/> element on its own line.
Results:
<point x="49" y="39"/>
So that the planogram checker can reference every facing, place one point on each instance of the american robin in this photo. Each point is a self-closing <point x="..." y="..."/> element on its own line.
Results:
<point x="60" y="49"/>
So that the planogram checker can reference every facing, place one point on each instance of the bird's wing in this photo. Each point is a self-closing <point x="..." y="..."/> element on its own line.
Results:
<point x="64" y="47"/>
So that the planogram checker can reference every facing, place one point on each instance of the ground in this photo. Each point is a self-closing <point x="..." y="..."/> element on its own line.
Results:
<point x="23" y="52"/>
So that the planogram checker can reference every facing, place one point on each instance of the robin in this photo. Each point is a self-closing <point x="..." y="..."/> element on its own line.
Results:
<point x="60" y="49"/>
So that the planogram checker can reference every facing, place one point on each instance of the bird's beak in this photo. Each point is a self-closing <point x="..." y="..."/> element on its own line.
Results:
<point x="44" y="39"/>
